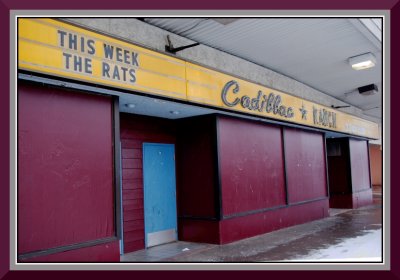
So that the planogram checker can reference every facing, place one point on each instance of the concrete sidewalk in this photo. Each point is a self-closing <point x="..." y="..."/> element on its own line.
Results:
<point x="347" y="235"/>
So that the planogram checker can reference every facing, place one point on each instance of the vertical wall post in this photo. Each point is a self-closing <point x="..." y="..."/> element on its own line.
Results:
<point x="369" y="165"/>
<point x="326" y="168"/>
<point x="117" y="169"/>
<point x="284" y="164"/>
<point x="217" y="182"/>
<point x="350" y="182"/>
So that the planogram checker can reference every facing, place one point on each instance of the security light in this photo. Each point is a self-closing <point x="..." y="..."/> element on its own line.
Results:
<point x="368" y="90"/>
<point x="363" y="61"/>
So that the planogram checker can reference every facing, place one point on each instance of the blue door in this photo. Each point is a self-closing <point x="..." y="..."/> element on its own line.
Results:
<point x="159" y="193"/>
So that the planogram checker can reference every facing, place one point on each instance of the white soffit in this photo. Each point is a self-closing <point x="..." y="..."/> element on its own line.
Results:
<point x="313" y="51"/>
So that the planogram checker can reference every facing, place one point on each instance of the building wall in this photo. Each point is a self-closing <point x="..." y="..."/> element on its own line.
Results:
<point x="195" y="173"/>
<point x="250" y="172"/>
<point x="240" y="227"/>
<point x="360" y="173"/>
<point x="251" y="166"/>
<point x="65" y="171"/>
<point x="197" y="180"/>
<point x="305" y="165"/>
<point x="349" y="174"/>
<point x="271" y="177"/>
<point x="247" y="179"/>
<point x="135" y="130"/>
<point x="375" y="152"/>
<point x="196" y="168"/>
<point x="108" y="252"/>
<point x="338" y="167"/>
<point x="339" y="170"/>
<point x="359" y="159"/>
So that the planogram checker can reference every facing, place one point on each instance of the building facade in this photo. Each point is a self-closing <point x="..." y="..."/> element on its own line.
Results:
<point x="122" y="147"/>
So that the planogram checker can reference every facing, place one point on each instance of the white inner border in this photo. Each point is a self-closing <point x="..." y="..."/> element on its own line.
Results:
<point x="189" y="266"/>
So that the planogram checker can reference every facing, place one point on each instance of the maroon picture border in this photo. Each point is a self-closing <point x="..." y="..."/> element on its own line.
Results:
<point x="7" y="5"/>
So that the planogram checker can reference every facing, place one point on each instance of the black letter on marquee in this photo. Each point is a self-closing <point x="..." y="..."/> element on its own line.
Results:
<point x="315" y="115"/>
<point x="124" y="73"/>
<point x="277" y="104"/>
<point x="108" y="51"/>
<point x="132" y="74"/>
<point x="126" y="53"/>
<point x="67" y="57"/>
<point x="270" y="101"/>
<point x="73" y="44"/>
<point x="225" y="91"/>
<point x="135" y="59"/>
<point x="82" y="44"/>
<point x="88" y="66"/>
<point x="62" y="35"/>
<point x="77" y="63"/>
<point x="106" y="70"/>
<point x="119" y="54"/>
<point x="91" y="50"/>
<point x="116" y="73"/>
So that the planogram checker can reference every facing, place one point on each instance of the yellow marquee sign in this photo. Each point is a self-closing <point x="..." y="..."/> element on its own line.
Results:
<point x="206" y="86"/>
<point x="52" y="47"/>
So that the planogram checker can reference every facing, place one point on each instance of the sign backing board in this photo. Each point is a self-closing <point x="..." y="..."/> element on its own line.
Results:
<point x="56" y="48"/>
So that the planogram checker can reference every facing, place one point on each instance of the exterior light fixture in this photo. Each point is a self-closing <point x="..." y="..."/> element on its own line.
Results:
<point x="368" y="90"/>
<point x="363" y="61"/>
<point x="174" y="112"/>
<point x="130" y="105"/>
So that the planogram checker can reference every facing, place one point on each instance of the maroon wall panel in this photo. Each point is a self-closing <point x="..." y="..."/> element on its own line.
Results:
<point x="359" y="165"/>
<point x="341" y="201"/>
<point x="65" y="168"/>
<point x="199" y="231"/>
<point x="349" y="177"/>
<point x="135" y="130"/>
<point x="108" y="252"/>
<point x="251" y="225"/>
<point x="352" y="200"/>
<point x="251" y="165"/>
<point x="196" y="167"/>
<point x="338" y="166"/>
<point x="305" y="165"/>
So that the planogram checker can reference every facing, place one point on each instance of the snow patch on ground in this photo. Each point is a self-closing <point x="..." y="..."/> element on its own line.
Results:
<point x="365" y="248"/>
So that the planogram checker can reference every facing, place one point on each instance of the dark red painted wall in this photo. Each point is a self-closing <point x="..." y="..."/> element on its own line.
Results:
<point x="338" y="166"/>
<point x="108" y="252"/>
<point x="65" y="168"/>
<point x="349" y="178"/>
<point x="196" y="180"/>
<point x="196" y="167"/>
<point x="252" y="170"/>
<point x="135" y="130"/>
<point x="305" y="165"/>
<point x="259" y="223"/>
<point x="359" y="165"/>
<point x="251" y="165"/>
<point x="198" y="230"/>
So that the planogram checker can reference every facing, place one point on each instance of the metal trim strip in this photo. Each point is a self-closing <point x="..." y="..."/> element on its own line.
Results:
<point x="61" y="249"/>
<point x="247" y="213"/>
